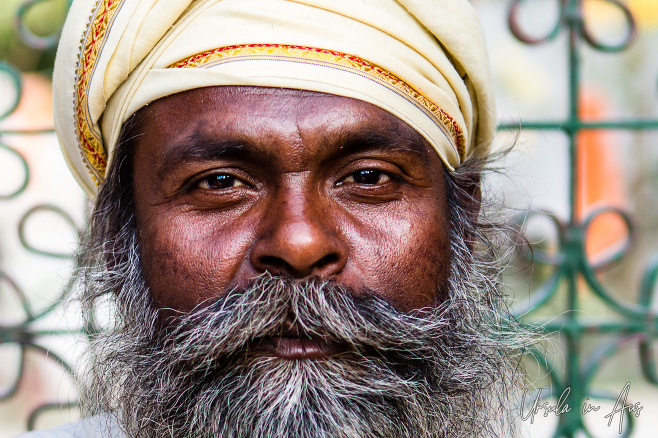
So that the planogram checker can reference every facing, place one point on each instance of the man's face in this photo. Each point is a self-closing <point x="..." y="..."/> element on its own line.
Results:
<point x="286" y="237"/>
<point x="234" y="182"/>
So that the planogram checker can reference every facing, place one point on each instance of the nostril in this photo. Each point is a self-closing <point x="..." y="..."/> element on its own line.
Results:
<point x="326" y="260"/>
<point x="276" y="264"/>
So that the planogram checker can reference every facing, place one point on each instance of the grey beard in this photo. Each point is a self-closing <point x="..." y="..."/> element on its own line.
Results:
<point x="444" y="371"/>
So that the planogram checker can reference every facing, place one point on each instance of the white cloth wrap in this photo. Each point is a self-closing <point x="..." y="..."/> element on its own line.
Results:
<point x="436" y="47"/>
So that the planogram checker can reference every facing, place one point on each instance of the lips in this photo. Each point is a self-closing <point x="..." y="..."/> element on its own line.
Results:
<point x="301" y="348"/>
<point x="293" y="344"/>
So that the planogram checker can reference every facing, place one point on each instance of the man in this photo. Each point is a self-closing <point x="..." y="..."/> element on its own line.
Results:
<point x="286" y="218"/>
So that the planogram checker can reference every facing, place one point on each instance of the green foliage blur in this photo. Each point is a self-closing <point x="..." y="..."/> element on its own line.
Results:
<point x="28" y="32"/>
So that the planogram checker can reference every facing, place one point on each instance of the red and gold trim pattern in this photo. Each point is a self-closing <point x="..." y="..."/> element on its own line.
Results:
<point x="327" y="57"/>
<point x="91" y="147"/>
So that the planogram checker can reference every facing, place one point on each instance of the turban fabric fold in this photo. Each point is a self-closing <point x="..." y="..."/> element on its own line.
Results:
<point x="424" y="61"/>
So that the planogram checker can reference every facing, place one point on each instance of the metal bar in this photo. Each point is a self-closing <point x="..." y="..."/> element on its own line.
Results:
<point x="27" y="131"/>
<point x="578" y="125"/>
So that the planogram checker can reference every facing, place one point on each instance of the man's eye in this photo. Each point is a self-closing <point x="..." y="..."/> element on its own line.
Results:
<point x="368" y="177"/>
<point x="220" y="181"/>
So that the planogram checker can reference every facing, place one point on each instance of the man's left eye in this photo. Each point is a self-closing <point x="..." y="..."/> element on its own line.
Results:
<point x="219" y="181"/>
<point x="369" y="177"/>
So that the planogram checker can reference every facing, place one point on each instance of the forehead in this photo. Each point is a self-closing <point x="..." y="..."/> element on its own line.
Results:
<point x="260" y="117"/>
<point x="285" y="102"/>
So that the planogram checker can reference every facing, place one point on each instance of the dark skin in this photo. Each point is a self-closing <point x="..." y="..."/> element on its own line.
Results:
<point x="233" y="182"/>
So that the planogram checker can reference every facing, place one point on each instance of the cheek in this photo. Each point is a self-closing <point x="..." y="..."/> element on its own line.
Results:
<point x="405" y="256"/>
<point x="187" y="262"/>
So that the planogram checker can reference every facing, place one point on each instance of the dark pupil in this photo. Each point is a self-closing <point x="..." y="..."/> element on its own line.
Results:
<point x="367" y="176"/>
<point x="220" y="181"/>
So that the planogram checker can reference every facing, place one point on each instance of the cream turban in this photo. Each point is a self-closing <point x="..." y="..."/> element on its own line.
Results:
<point x="422" y="60"/>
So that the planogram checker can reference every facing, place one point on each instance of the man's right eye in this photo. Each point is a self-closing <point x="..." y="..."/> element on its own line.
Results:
<point x="219" y="181"/>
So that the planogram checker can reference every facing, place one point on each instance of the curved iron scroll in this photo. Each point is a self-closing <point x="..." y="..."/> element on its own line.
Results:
<point x="27" y="332"/>
<point x="635" y="323"/>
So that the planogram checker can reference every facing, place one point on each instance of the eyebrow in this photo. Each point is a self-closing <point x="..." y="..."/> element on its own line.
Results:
<point x="201" y="147"/>
<point x="381" y="139"/>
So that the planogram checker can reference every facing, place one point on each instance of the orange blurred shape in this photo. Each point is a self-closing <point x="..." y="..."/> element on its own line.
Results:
<point x="645" y="13"/>
<point x="600" y="181"/>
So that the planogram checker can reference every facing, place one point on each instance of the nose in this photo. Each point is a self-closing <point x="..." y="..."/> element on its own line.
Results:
<point x="299" y="239"/>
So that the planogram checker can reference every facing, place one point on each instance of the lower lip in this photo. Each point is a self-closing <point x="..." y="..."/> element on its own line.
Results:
<point x="300" y="348"/>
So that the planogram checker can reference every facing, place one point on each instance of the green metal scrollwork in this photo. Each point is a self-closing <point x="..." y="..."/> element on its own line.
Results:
<point x="571" y="17"/>
<point x="35" y="211"/>
<point x="634" y="323"/>
<point x="24" y="31"/>
<point x="28" y="333"/>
